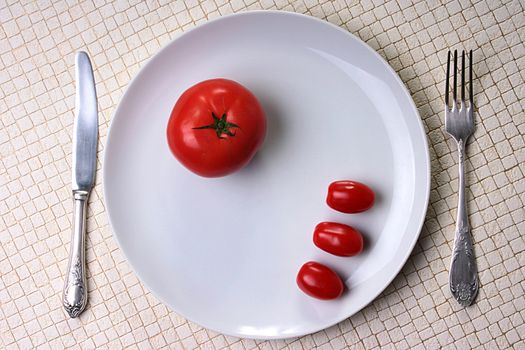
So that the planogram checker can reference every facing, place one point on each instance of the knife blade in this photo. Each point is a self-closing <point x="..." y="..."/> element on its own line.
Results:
<point x="85" y="137"/>
<point x="85" y="133"/>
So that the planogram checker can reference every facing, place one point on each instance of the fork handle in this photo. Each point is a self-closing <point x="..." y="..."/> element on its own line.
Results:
<point x="463" y="279"/>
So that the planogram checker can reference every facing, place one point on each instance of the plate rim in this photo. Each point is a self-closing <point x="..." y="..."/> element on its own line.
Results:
<point x="421" y="130"/>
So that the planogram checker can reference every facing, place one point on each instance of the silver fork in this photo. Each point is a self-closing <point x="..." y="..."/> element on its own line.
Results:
<point x="459" y="123"/>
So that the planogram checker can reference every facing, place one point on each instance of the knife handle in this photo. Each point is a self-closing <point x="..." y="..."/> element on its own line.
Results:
<point x="75" y="287"/>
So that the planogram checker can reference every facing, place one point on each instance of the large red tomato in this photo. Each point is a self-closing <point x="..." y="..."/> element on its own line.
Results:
<point x="216" y="127"/>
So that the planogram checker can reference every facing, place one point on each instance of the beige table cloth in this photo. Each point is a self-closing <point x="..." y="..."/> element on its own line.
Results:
<point x="38" y="40"/>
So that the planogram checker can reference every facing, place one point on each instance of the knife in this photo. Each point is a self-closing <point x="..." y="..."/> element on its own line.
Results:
<point x="85" y="135"/>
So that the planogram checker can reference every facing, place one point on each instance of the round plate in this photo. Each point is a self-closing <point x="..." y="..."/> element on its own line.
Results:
<point x="225" y="252"/>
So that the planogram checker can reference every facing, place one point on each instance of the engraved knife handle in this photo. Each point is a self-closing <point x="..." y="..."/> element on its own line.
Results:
<point x="75" y="287"/>
<point x="463" y="277"/>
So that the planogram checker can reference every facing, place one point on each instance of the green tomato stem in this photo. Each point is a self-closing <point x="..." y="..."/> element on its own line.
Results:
<point x="220" y="125"/>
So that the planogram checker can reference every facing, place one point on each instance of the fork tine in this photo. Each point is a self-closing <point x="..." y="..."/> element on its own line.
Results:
<point x="463" y="78"/>
<point x="454" y="101"/>
<point x="471" y="91"/>
<point x="447" y="79"/>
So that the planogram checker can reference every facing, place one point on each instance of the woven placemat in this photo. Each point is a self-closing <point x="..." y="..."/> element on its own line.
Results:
<point x="37" y="45"/>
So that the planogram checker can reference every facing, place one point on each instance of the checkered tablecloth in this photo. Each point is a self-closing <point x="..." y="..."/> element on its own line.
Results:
<point x="38" y="40"/>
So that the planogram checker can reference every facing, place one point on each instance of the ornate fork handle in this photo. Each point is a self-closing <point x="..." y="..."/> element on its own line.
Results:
<point x="463" y="270"/>
<point x="75" y="288"/>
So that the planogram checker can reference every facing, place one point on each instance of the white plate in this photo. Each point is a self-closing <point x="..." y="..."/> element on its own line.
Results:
<point x="225" y="252"/>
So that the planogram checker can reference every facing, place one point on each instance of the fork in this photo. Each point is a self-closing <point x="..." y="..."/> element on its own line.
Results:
<point x="459" y="123"/>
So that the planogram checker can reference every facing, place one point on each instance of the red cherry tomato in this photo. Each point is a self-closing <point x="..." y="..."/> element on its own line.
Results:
<point x="216" y="127"/>
<point x="349" y="196"/>
<point x="338" y="239"/>
<point x="319" y="281"/>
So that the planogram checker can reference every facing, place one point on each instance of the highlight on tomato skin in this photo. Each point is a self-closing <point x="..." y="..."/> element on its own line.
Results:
<point x="319" y="281"/>
<point x="338" y="239"/>
<point x="349" y="196"/>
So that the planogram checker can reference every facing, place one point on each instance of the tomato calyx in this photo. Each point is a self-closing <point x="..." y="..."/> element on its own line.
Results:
<point x="220" y="125"/>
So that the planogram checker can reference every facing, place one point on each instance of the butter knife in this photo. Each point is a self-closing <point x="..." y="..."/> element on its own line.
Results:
<point x="85" y="137"/>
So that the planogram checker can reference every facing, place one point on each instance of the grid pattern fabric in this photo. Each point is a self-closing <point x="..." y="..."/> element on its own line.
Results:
<point x="38" y="40"/>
